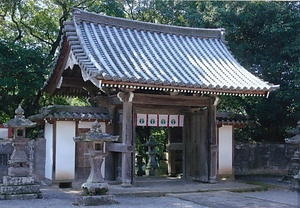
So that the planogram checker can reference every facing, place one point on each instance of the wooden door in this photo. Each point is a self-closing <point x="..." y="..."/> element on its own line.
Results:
<point x="196" y="149"/>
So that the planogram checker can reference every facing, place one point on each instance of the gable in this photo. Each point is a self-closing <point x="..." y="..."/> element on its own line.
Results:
<point x="119" y="53"/>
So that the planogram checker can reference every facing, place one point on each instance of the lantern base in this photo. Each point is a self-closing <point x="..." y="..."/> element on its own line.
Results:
<point x="95" y="200"/>
<point x="93" y="189"/>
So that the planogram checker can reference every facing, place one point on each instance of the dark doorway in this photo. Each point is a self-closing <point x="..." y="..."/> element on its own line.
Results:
<point x="168" y="151"/>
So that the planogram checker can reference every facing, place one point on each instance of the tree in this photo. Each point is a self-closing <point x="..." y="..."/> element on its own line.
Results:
<point x="30" y="34"/>
<point x="261" y="35"/>
<point x="263" y="38"/>
<point x="21" y="77"/>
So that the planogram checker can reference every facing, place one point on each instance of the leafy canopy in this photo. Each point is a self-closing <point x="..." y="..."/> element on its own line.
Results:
<point x="263" y="36"/>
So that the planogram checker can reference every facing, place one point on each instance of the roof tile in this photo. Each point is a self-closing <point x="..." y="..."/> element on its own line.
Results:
<point x="133" y="53"/>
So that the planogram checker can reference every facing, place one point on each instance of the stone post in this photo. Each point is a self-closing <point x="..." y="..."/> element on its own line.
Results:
<point x="95" y="187"/>
<point x="152" y="163"/>
<point x="19" y="184"/>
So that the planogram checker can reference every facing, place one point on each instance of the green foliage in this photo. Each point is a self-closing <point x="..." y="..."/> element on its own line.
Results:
<point x="22" y="75"/>
<point x="142" y="137"/>
<point x="108" y="7"/>
<point x="263" y="36"/>
<point x="78" y="101"/>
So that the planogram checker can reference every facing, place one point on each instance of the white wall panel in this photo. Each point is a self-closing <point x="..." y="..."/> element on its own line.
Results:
<point x="49" y="150"/>
<point x="65" y="151"/>
<point x="225" y="150"/>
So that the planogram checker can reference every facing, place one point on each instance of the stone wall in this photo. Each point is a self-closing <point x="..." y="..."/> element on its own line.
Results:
<point x="258" y="158"/>
<point x="39" y="148"/>
<point x="262" y="158"/>
<point x="5" y="152"/>
<point x="39" y="159"/>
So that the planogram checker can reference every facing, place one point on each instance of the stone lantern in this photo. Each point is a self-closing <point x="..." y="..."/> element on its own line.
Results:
<point x="19" y="184"/>
<point x="152" y="163"/>
<point x="94" y="188"/>
<point x="295" y="140"/>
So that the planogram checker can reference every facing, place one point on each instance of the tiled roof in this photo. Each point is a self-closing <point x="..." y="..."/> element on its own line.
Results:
<point x="228" y="118"/>
<point x="63" y="112"/>
<point x="116" y="52"/>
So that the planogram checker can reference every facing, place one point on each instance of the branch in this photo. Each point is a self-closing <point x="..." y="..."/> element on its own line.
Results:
<point x="34" y="35"/>
<point x="83" y="2"/>
<point x="19" y="37"/>
<point x="130" y="13"/>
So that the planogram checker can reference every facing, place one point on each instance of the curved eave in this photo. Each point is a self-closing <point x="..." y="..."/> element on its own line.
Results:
<point x="54" y="77"/>
<point x="71" y="113"/>
<point x="120" y="53"/>
<point x="183" y="89"/>
<point x="50" y="118"/>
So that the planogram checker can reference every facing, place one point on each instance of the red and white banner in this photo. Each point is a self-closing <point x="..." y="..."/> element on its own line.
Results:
<point x="163" y="120"/>
<point x="159" y="120"/>
<point x="152" y="120"/>
<point x="141" y="120"/>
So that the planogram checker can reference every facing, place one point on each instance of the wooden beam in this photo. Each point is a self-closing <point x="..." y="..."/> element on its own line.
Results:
<point x="50" y="87"/>
<point x="114" y="100"/>
<point x="175" y="146"/>
<point x="119" y="147"/>
<point x="168" y="100"/>
<point x="127" y="140"/>
<point x="76" y="82"/>
<point x="213" y="143"/>
<point x="183" y="88"/>
<point x="152" y="109"/>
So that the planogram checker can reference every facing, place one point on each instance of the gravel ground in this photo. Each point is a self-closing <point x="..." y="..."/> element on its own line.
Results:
<point x="55" y="197"/>
<point x="64" y="198"/>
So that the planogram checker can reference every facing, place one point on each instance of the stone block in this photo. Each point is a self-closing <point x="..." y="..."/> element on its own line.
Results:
<point x="18" y="171"/>
<point x="94" y="188"/>
<point x="21" y="196"/>
<point x="24" y="189"/>
<point x="17" y="181"/>
<point x="95" y="200"/>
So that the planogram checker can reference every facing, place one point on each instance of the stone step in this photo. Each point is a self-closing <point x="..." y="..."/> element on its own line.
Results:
<point x="95" y="200"/>
<point x="17" y="181"/>
<point x="21" y="196"/>
<point x="22" y="189"/>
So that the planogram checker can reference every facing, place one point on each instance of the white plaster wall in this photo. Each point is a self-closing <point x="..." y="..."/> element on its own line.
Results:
<point x="225" y="150"/>
<point x="49" y="150"/>
<point x="65" y="151"/>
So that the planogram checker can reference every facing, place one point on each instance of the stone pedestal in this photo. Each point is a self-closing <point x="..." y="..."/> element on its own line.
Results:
<point x="19" y="184"/>
<point x="95" y="200"/>
<point x="19" y="188"/>
<point x="95" y="188"/>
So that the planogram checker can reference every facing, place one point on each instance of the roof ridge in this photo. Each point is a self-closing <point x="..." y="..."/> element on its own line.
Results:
<point x="81" y="15"/>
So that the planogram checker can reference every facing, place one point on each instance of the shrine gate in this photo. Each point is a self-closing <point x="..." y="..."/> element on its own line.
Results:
<point x="134" y="68"/>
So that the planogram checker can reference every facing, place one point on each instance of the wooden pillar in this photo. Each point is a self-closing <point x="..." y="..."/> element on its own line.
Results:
<point x="174" y="148"/>
<point x="213" y="145"/>
<point x="171" y="156"/>
<point x="127" y="138"/>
